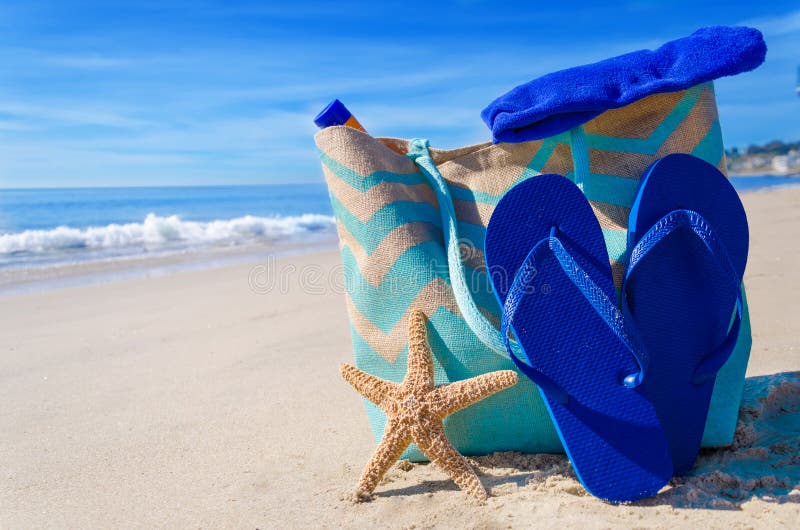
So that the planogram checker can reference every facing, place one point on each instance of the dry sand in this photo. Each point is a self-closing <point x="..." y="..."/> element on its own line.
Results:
<point x="195" y="400"/>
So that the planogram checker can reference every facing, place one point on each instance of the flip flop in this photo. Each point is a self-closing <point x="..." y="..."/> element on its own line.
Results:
<point x="688" y="237"/>
<point x="551" y="274"/>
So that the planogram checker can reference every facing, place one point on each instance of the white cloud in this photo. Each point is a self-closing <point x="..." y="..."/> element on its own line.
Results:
<point x="68" y="112"/>
<point x="15" y="125"/>
<point x="777" y="25"/>
<point x="90" y="62"/>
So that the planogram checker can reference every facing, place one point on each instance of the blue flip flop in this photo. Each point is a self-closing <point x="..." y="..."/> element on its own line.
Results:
<point x="551" y="274"/>
<point x="688" y="241"/>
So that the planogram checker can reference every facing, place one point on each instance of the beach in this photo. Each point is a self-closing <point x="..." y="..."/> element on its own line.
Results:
<point x="212" y="399"/>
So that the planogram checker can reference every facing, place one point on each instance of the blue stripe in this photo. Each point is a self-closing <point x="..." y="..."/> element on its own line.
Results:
<point x="401" y="284"/>
<point x="472" y="234"/>
<point x="710" y="147"/>
<point x="616" y="243"/>
<point x="365" y="182"/>
<point x="465" y="194"/>
<point x="610" y="189"/>
<point x="370" y="233"/>
<point x="539" y="160"/>
<point x="651" y="144"/>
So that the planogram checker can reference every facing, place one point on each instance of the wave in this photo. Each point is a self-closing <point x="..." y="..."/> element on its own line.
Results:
<point x="158" y="232"/>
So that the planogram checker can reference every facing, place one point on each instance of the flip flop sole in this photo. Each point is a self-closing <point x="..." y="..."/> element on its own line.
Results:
<point x="610" y="432"/>
<point x="680" y="300"/>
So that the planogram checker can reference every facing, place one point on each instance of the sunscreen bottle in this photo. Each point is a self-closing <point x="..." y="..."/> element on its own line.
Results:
<point x="337" y="114"/>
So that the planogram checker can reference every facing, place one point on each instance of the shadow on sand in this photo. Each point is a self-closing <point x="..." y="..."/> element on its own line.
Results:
<point x="763" y="462"/>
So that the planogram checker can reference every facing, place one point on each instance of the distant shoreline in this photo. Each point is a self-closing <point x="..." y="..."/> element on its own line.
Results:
<point x="764" y="174"/>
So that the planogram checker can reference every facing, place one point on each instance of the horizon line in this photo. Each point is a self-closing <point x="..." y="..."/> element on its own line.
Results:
<point x="140" y="186"/>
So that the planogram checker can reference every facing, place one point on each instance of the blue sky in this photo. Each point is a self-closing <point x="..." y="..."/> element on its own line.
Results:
<point x="113" y="93"/>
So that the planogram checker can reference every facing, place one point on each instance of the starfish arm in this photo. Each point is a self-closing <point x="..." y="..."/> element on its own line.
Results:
<point x="447" y="399"/>
<point x="434" y="444"/>
<point x="395" y="440"/>
<point x="373" y="388"/>
<point x="420" y="361"/>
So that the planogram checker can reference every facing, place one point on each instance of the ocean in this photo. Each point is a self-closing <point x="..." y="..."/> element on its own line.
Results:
<point x="52" y="227"/>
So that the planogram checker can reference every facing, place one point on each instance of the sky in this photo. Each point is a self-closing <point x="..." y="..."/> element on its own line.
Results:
<point x="114" y="93"/>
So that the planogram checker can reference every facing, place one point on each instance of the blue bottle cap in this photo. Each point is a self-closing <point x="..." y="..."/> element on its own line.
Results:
<point x="334" y="114"/>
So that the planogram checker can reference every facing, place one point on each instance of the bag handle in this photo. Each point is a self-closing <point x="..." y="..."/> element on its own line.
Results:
<point x="418" y="151"/>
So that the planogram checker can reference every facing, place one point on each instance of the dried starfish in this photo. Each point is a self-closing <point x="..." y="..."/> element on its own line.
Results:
<point x="415" y="410"/>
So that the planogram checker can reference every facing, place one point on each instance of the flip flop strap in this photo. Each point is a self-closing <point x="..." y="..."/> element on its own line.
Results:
<point x="418" y="151"/>
<point x="605" y="308"/>
<point x="697" y="224"/>
<point x="711" y="364"/>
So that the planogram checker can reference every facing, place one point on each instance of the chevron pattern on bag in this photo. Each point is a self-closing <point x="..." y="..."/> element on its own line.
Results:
<point x="393" y="254"/>
<point x="389" y="222"/>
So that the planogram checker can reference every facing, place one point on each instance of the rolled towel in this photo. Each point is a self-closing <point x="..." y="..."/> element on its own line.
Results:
<point x="560" y="101"/>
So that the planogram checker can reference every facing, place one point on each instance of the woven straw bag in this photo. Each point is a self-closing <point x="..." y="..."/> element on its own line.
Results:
<point x="411" y="223"/>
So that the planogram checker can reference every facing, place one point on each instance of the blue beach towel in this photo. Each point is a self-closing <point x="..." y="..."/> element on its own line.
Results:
<point x="562" y="100"/>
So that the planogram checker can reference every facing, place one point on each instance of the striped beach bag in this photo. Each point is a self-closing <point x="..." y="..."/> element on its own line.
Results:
<point x="411" y="223"/>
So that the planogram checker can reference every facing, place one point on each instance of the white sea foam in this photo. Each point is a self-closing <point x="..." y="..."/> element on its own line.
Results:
<point x="157" y="232"/>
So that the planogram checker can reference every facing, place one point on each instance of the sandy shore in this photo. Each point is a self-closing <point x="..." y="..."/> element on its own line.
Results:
<point x="201" y="400"/>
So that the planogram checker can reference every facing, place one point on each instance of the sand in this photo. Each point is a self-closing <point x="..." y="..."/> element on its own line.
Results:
<point x="195" y="399"/>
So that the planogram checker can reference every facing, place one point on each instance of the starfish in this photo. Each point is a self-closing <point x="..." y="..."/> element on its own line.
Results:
<point x="415" y="409"/>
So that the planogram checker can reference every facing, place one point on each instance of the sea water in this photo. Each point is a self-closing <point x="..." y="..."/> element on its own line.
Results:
<point x="50" y="227"/>
<point x="46" y="227"/>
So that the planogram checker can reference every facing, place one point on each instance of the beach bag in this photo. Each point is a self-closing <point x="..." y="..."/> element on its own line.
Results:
<point x="411" y="222"/>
